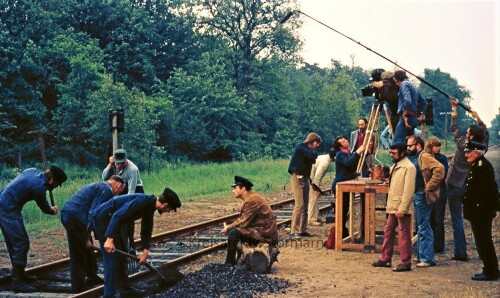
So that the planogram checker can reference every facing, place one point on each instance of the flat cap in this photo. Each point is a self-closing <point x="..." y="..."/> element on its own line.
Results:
<point x="172" y="199"/>
<point x="120" y="155"/>
<point x="240" y="181"/>
<point x="58" y="174"/>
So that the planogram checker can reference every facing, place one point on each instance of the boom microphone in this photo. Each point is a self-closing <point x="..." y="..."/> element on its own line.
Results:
<point x="380" y="55"/>
<point x="285" y="18"/>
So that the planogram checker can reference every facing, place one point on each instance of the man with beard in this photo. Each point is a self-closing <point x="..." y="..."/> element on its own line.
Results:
<point x="430" y="173"/>
<point x="399" y="209"/>
<point x="357" y="139"/>
<point x="31" y="185"/>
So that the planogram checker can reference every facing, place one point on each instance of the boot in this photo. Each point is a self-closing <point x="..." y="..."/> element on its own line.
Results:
<point x="18" y="283"/>
<point x="28" y="277"/>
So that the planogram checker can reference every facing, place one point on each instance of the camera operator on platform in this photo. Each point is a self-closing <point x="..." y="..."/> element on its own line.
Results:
<point x="411" y="108"/>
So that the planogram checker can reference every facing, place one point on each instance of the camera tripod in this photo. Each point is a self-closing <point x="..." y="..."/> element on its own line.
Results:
<point x="371" y="130"/>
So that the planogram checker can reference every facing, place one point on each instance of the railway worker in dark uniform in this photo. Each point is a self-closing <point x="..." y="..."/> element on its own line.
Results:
<point x="74" y="217"/>
<point x="120" y="165"/>
<point x="256" y="224"/>
<point x="107" y="221"/>
<point x="32" y="184"/>
<point x="481" y="201"/>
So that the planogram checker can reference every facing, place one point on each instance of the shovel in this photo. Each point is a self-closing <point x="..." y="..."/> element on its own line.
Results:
<point x="149" y="266"/>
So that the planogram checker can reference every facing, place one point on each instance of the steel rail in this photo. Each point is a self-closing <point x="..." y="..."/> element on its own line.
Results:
<point x="155" y="239"/>
<point x="178" y="261"/>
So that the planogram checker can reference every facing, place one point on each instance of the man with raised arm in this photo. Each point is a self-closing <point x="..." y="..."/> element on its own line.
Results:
<point x="457" y="172"/>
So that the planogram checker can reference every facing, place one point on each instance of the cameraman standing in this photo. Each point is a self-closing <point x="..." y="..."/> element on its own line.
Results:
<point x="409" y="100"/>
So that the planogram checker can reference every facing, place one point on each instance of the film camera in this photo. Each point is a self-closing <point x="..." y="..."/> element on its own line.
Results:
<point x="370" y="90"/>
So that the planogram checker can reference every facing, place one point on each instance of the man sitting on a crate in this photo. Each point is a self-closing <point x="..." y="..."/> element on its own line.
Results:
<point x="256" y="224"/>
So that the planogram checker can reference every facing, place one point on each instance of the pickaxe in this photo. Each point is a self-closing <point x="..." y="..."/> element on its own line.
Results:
<point x="41" y="145"/>
<point x="131" y="256"/>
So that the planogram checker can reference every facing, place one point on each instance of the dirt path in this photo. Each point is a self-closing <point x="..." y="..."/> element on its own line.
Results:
<point x="314" y="270"/>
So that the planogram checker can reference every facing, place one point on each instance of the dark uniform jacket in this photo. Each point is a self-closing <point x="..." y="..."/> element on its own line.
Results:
<point x="87" y="199"/>
<point x="108" y="217"/>
<point x="30" y="185"/>
<point x="481" y="198"/>
<point x="257" y="220"/>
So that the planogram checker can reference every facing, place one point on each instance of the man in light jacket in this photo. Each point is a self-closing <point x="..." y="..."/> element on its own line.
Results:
<point x="399" y="210"/>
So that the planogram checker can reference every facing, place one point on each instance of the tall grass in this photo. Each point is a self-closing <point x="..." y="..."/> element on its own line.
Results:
<point x="191" y="182"/>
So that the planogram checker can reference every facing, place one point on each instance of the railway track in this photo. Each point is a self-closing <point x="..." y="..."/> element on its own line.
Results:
<point x="175" y="247"/>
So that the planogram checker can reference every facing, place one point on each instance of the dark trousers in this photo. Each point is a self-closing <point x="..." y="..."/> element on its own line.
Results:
<point x="127" y="231"/>
<point x="115" y="276"/>
<point x="481" y="229"/>
<point x="437" y="220"/>
<point x="233" y="237"/>
<point x="16" y="237"/>
<point x="82" y="258"/>
<point x="345" y="212"/>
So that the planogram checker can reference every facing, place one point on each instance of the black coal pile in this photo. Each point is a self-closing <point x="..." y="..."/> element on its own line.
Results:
<point x="220" y="280"/>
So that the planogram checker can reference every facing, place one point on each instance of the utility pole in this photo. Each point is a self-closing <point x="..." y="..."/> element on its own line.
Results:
<point x="446" y="129"/>
<point x="116" y="124"/>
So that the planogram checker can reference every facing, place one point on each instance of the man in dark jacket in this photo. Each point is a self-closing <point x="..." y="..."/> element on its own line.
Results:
<point x="345" y="169"/>
<point x="74" y="217"/>
<point x="300" y="166"/>
<point x="32" y="184"/>
<point x="457" y="172"/>
<point x="480" y="203"/>
<point x="107" y="221"/>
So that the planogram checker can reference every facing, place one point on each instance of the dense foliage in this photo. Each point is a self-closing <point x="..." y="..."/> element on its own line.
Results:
<point x="197" y="79"/>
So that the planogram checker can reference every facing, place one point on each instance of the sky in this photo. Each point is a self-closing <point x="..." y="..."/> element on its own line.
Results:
<point x="461" y="38"/>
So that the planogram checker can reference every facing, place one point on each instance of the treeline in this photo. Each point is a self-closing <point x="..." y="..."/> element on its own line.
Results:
<point x="198" y="80"/>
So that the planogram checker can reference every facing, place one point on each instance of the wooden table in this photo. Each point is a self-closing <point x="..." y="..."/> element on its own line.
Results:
<point x="370" y="191"/>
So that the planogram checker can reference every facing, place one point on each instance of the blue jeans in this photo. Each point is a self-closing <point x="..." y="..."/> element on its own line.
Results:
<point x="455" y="203"/>
<point x="401" y="132"/>
<point x="425" y="240"/>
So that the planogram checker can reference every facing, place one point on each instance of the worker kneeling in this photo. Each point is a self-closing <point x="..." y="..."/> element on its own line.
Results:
<point x="254" y="234"/>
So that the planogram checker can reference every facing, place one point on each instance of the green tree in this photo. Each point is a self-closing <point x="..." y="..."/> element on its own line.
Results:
<point x="495" y="130"/>
<point x="142" y="116"/>
<point x="84" y="59"/>
<point x="251" y="29"/>
<point x="208" y="106"/>
<point x="24" y="29"/>
<point x="445" y="82"/>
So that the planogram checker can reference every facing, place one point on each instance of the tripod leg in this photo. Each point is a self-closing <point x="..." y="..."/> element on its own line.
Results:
<point x="374" y="115"/>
